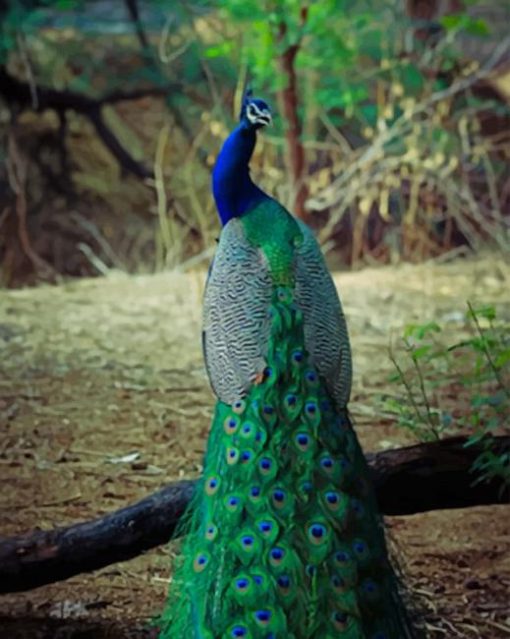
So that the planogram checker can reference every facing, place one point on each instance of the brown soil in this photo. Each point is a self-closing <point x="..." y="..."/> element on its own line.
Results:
<point x="104" y="398"/>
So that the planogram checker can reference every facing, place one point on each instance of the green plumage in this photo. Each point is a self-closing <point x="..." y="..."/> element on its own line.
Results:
<point x="284" y="540"/>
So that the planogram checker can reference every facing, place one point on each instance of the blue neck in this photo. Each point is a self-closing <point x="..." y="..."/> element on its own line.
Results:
<point x="233" y="189"/>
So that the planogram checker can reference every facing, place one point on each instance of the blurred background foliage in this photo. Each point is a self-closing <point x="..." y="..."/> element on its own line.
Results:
<point x="392" y="133"/>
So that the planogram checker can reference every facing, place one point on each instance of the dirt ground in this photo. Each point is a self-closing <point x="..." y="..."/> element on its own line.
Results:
<point x="104" y="398"/>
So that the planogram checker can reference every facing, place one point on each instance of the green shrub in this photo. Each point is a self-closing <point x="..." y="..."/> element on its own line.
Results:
<point x="458" y="389"/>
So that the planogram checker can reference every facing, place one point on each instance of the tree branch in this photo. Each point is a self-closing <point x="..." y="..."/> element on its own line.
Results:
<point x="17" y="92"/>
<point x="134" y="14"/>
<point x="406" y="480"/>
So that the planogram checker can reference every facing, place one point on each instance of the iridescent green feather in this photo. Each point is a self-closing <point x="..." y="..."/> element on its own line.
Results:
<point x="256" y="544"/>
<point x="283" y="539"/>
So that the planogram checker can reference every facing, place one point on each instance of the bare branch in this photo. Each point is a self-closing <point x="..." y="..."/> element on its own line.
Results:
<point x="407" y="480"/>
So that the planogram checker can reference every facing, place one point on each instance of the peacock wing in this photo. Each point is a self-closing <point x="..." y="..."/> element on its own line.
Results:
<point x="326" y="336"/>
<point x="235" y="318"/>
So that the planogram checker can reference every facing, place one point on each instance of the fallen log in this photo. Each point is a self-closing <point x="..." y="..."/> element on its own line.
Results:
<point x="407" y="480"/>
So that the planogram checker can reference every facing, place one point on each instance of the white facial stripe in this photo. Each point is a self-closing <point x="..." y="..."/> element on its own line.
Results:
<point x="253" y="113"/>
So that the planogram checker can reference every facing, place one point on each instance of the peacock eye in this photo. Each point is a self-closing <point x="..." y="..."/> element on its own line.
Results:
<point x="283" y="581"/>
<point x="369" y="586"/>
<point x="310" y="570"/>
<point x="265" y="464"/>
<point x="337" y="581"/>
<point x="265" y="526"/>
<point x="302" y="439"/>
<point x="242" y="584"/>
<point x="307" y="486"/>
<point x="278" y="495"/>
<point x="341" y="557"/>
<point x="297" y="356"/>
<point x="263" y="616"/>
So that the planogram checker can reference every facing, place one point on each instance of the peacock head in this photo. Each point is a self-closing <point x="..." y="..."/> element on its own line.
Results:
<point x="255" y="113"/>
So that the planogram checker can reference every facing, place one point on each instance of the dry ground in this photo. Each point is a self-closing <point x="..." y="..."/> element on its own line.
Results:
<point x="97" y="370"/>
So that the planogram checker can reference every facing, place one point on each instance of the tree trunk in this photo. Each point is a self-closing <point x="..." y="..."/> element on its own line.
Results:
<point x="407" y="480"/>
<point x="289" y="102"/>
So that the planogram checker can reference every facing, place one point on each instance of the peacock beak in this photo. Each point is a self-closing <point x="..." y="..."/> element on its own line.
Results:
<point x="265" y="118"/>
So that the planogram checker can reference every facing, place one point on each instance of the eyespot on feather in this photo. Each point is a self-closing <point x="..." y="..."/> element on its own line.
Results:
<point x="200" y="562"/>
<point x="303" y="442"/>
<point x="298" y="357"/>
<point x="333" y="500"/>
<point x="211" y="532"/>
<point x="311" y="378"/>
<point x="266" y="466"/>
<point x="246" y="457"/>
<point x="337" y="583"/>
<point x="311" y="570"/>
<point x="370" y="590"/>
<point x="276" y="556"/>
<point x="284" y="583"/>
<point x="340" y="620"/>
<point x="231" y="424"/>
<point x="239" y="631"/>
<point x="232" y="455"/>
<point x="247" y="430"/>
<point x="233" y="503"/>
<point x="239" y="406"/>
<point x="317" y="533"/>
<point x="279" y="498"/>
<point x="212" y="485"/>
<point x="262" y="618"/>
<point x="361" y="550"/>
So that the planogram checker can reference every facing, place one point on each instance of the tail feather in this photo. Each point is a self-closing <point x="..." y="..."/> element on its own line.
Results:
<point x="284" y="540"/>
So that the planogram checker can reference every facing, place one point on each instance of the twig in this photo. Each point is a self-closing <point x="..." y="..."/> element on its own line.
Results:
<point x="134" y="14"/>
<point x="164" y="56"/>
<point x="96" y="262"/>
<point x="162" y="203"/>
<point x="424" y="395"/>
<point x="406" y="385"/>
<point x="487" y="352"/>
<point x="92" y="229"/>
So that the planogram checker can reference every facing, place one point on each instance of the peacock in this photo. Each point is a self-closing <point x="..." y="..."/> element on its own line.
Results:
<point x="283" y="537"/>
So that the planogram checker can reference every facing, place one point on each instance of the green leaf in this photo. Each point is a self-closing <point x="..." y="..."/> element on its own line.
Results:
<point x="412" y="79"/>
<point x="451" y="22"/>
<point x="421" y="351"/>
<point x="464" y="22"/>
<point x="221" y="50"/>
<point x="419" y="331"/>
<point x="502" y="358"/>
<point x="478" y="27"/>
<point x="393" y="405"/>
<point x="487" y="312"/>
<point x="369" y="112"/>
